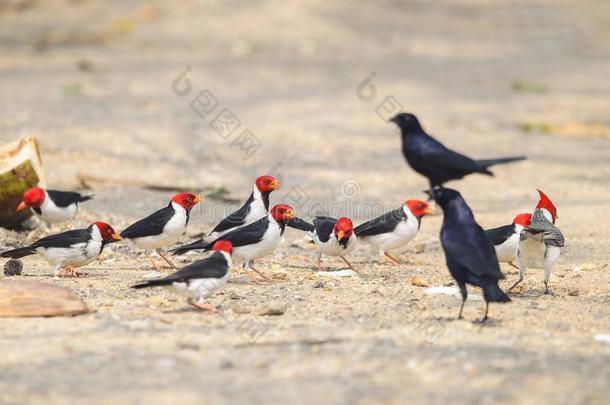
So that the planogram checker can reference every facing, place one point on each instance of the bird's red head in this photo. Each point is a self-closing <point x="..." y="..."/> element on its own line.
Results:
<point x="282" y="213"/>
<point x="546" y="203"/>
<point x="223" y="246"/>
<point x="107" y="232"/>
<point x="523" y="219"/>
<point x="419" y="208"/>
<point x="266" y="184"/>
<point x="34" y="198"/>
<point x="187" y="200"/>
<point x="344" y="228"/>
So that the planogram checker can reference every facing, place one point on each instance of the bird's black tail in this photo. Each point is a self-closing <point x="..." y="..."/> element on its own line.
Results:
<point x="85" y="198"/>
<point x="300" y="224"/>
<point x="486" y="163"/>
<point x="493" y="293"/>
<point x="19" y="253"/>
<point x="152" y="283"/>
<point x="199" y="244"/>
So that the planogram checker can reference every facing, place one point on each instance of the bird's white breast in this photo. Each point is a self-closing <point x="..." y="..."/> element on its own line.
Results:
<point x="532" y="250"/>
<point x="507" y="251"/>
<point x="266" y="245"/>
<point x="51" y="213"/>
<point x="173" y="229"/>
<point x="332" y="247"/>
<point x="405" y="232"/>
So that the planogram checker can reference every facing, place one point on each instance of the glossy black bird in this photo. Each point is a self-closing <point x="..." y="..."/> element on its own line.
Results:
<point x="432" y="159"/>
<point x="470" y="256"/>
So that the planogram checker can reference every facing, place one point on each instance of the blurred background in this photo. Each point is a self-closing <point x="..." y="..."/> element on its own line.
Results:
<point x="313" y="83"/>
<point x="210" y="94"/>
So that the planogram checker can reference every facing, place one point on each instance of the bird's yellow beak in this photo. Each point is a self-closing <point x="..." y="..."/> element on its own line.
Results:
<point x="199" y="198"/>
<point x="340" y="235"/>
<point x="116" y="236"/>
<point x="289" y="215"/>
<point x="430" y="210"/>
<point x="22" y="206"/>
<point x="275" y="184"/>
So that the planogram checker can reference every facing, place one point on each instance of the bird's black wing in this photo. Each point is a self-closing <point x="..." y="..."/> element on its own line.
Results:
<point x="499" y="235"/>
<point x="471" y="249"/>
<point x="214" y="266"/>
<point x="236" y="218"/>
<point x="324" y="227"/>
<point x="554" y="237"/>
<point x="382" y="224"/>
<point x="300" y="224"/>
<point x="64" y="239"/>
<point x="151" y="225"/>
<point x="65" y="198"/>
<point x="434" y="152"/>
<point x="246" y="235"/>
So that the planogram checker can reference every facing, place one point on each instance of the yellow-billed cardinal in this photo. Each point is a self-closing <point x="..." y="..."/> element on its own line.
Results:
<point x="200" y="279"/>
<point x="71" y="249"/>
<point x="164" y="227"/>
<point x="255" y="208"/>
<point x="541" y="242"/>
<point x="334" y="237"/>
<point x="251" y="241"/>
<point x="506" y="238"/>
<point x="52" y="205"/>
<point x="395" y="228"/>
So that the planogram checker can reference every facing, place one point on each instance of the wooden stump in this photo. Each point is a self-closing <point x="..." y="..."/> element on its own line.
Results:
<point x="20" y="169"/>
<point x="24" y="298"/>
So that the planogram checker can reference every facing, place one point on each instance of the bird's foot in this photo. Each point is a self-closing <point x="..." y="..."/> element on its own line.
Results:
<point x="154" y="264"/>
<point x="511" y="264"/>
<point x="167" y="260"/>
<point x="391" y="260"/>
<point x="264" y="277"/>
<point x="482" y="320"/>
<point x="69" y="272"/>
<point x="204" y="307"/>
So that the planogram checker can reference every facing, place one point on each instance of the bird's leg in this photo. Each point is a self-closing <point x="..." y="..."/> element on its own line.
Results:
<point x="166" y="259"/>
<point x="464" y="293"/>
<point x="154" y="264"/>
<point x="247" y="266"/>
<point x="319" y="264"/>
<point x="203" y="306"/>
<point x="391" y="259"/>
<point x="486" y="311"/>
<point x="521" y="274"/>
<point x="56" y="271"/>
<point x="547" y="275"/>
<point x="512" y="264"/>
<point x="349" y="265"/>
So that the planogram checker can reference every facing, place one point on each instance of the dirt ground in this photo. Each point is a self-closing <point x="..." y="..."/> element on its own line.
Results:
<point x="314" y="82"/>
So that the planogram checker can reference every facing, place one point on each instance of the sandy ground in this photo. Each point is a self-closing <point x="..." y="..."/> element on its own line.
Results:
<point x="94" y="82"/>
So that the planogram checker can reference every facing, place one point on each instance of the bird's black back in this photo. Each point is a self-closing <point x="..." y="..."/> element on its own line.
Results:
<point x="382" y="224"/>
<point x="65" y="239"/>
<point x="65" y="198"/>
<point x="151" y="225"/>
<point x="470" y="255"/>
<point x="214" y="266"/>
<point x="324" y="227"/>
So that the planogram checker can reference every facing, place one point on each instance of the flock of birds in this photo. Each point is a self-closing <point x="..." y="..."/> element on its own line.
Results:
<point x="255" y="230"/>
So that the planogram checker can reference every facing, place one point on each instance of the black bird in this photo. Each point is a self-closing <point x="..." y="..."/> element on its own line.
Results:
<point x="432" y="159"/>
<point x="470" y="256"/>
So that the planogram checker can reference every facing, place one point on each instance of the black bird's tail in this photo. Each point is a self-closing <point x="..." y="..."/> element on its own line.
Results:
<point x="19" y="252"/>
<point x="493" y="293"/>
<point x="487" y="163"/>
<point x="152" y="283"/>
<point x="199" y="244"/>
<point x="300" y="224"/>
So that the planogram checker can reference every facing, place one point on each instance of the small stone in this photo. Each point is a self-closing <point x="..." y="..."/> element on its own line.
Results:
<point x="319" y="284"/>
<point x="418" y="282"/>
<point x="420" y="247"/>
<point x="13" y="268"/>
<point x="573" y="292"/>
<point x="272" y="310"/>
